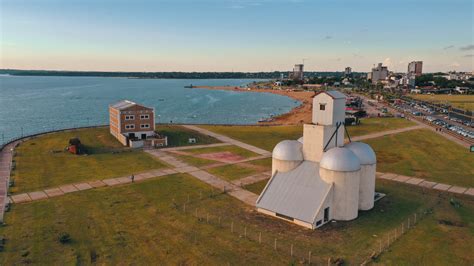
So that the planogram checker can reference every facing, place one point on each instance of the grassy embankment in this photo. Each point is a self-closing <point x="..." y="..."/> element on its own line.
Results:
<point x="267" y="137"/>
<point x="465" y="102"/>
<point x="419" y="153"/>
<point x="137" y="224"/>
<point x="42" y="162"/>
<point x="424" y="154"/>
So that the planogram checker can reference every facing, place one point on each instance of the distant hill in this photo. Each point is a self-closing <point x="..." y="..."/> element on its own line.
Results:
<point x="163" y="75"/>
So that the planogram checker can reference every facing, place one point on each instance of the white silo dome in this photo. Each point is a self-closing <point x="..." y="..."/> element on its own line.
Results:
<point x="340" y="159"/>
<point x="363" y="151"/>
<point x="300" y="140"/>
<point x="288" y="150"/>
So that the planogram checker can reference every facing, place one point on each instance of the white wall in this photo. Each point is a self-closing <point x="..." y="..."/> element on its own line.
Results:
<point x="367" y="187"/>
<point x="283" y="166"/>
<point x="346" y="193"/>
<point x="335" y="110"/>
<point x="315" y="137"/>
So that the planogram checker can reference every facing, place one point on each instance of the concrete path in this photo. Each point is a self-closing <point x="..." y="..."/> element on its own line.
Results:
<point x="385" y="133"/>
<point x="228" y="140"/>
<point x="6" y="156"/>
<point x="252" y="179"/>
<point x="426" y="184"/>
<point x="195" y="147"/>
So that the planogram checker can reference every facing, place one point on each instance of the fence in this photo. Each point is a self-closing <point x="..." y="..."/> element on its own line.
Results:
<point x="283" y="247"/>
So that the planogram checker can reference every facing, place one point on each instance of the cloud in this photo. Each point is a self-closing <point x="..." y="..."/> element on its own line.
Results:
<point x="467" y="48"/>
<point x="328" y="37"/>
<point x="454" y="64"/>
<point x="469" y="55"/>
<point x="388" y="62"/>
<point x="448" y="47"/>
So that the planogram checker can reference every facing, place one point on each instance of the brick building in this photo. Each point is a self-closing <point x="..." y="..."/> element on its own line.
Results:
<point x="134" y="124"/>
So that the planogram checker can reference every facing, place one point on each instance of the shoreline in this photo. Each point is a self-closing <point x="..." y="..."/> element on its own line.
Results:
<point x="296" y="116"/>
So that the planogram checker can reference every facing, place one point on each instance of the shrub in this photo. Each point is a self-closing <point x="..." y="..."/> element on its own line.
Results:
<point x="64" y="238"/>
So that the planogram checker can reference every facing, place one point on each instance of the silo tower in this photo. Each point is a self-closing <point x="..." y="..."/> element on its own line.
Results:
<point x="367" y="173"/>
<point x="341" y="167"/>
<point x="286" y="156"/>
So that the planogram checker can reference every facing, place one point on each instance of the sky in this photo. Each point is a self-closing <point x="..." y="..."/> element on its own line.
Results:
<point x="236" y="35"/>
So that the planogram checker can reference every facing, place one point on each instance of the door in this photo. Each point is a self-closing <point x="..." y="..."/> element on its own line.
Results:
<point x="326" y="214"/>
<point x="131" y="135"/>
<point x="143" y="136"/>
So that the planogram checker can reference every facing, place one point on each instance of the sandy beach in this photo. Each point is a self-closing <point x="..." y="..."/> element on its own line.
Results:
<point x="298" y="115"/>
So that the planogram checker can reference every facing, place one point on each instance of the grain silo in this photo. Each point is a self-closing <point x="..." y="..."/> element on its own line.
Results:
<point x="286" y="156"/>
<point x="367" y="173"/>
<point x="341" y="167"/>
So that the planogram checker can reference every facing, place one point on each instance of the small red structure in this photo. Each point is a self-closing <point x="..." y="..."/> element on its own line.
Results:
<point x="75" y="146"/>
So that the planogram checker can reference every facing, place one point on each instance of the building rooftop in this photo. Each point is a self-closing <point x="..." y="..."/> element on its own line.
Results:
<point x="125" y="104"/>
<point x="333" y="94"/>
<point x="288" y="150"/>
<point x="298" y="193"/>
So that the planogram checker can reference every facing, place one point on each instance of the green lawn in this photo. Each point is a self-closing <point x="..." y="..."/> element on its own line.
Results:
<point x="43" y="163"/>
<point x="265" y="163"/>
<point x="230" y="148"/>
<point x="137" y="224"/>
<point x="424" y="154"/>
<point x="373" y="125"/>
<point x="194" y="161"/>
<point x="257" y="187"/>
<point x="232" y="171"/>
<point x="266" y="137"/>
<point x="460" y="101"/>
<point x="179" y="136"/>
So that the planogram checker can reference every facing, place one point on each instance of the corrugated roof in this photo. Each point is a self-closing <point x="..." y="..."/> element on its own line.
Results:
<point x="298" y="193"/>
<point x="333" y="94"/>
<point x="124" y="104"/>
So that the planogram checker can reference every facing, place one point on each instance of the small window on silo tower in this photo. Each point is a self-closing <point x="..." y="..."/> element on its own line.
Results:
<point x="322" y="106"/>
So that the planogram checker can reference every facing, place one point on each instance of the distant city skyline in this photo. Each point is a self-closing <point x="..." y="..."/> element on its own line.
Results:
<point x="236" y="35"/>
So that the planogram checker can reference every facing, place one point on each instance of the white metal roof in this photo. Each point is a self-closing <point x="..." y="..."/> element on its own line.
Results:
<point x="124" y="104"/>
<point x="336" y="94"/>
<point x="298" y="193"/>
<point x="288" y="150"/>
<point x="363" y="151"/>
<point x="340" y="159"/>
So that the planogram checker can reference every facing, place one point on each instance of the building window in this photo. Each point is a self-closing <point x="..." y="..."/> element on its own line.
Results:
<point x="144" y="116"/>
<point x="131" y="126"/>
<point x="145" y="126"/>
<point x="322" y="106"/>
<point x="318" y="223"/>
<point x="129" y="117"/>
<point x="284" y="217"/>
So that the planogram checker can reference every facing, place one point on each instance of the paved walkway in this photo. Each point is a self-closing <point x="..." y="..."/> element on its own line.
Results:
<point x="426" y="184"/>
<point x="228" y="140"/>
<point x="195" y="147"/>
<point x="6" y="156"/>
<point x="386" y="133"/>
<point x="252" y="179"/>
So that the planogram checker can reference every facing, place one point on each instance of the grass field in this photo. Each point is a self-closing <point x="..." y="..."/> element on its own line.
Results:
<point x="373" y="125"/>
<point x="257" y="187"/>
<point x="424" y="154"/>
<point x="194" y="161"/>
<point x="232" y="171"/>
<point x="231" y="148"/>
<point x="265" y="163"/>
<point x="267" y="137"/>
<point x="37" y="166"/>
<point x="460" y="101"/>
<point x="138" y="224"/>
<point x="179" y="136"/>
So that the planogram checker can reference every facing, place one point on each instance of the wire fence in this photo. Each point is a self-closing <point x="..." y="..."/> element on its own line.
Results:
<point x="283" y="247"/>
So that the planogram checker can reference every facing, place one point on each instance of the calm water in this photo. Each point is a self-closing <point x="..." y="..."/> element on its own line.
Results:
<point x="32" y="104"/>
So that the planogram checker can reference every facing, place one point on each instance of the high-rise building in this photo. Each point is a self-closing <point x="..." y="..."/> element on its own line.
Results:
<point x="378" y="73"/>
<point x="298" y="72"/>
<point x="415" y="68"/>
<point x="348" y="71"/>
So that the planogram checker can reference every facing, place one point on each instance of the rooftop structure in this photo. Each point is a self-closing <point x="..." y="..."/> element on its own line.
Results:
<point x="298" y="72"/>
<point x="317" y="178"/>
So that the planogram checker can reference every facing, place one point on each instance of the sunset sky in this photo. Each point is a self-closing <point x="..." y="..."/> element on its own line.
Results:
<point x="239" y="35"/>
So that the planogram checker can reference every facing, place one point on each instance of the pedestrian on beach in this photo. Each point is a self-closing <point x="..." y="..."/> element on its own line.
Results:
<point x="133" y="178"/>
